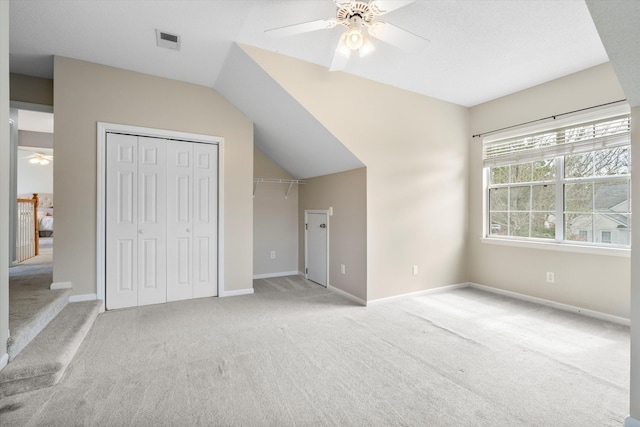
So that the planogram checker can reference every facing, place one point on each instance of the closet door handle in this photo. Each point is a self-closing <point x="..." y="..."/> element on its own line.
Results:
<point x="188" y="230"/>
<point x="141" y="231"/>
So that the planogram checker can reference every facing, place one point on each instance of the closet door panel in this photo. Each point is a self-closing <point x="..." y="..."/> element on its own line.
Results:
<point x="179" y="220"/>
<point x="152" y="221"/>
<point x="121" y="222"/>
<point x="205" y="222"/>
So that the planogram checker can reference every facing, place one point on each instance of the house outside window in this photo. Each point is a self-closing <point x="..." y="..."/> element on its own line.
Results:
<point x="583" y="235"/>
<point x="570" y="184"/>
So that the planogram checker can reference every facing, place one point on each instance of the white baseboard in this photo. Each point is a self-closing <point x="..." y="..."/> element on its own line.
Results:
<point x="61" y="285"/>
<point x="4" y="360"/>
<point x="237" y="292"/>
<point x="347" y="295"/>
<point x="554" y="304"/>
<point x="84" y="297"/>
<point x="418" y="293"/>
<point x="631" y="422"/>
<point x="270" y="275"/>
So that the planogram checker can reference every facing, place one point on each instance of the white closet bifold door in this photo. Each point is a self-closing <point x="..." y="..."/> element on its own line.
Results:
<point x="136" y="221"/>
<point x="205" y="220"/>
<point x="152" y="221"/>
<point x="122" y="221"/>
<point x="161" y="220"/>
<point x="179" y="220"/>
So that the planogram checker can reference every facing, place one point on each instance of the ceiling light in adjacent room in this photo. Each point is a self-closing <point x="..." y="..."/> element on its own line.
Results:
<point x="39" y="159"/>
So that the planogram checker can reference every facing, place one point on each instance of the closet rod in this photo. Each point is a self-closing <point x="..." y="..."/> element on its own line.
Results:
<point x="291" y="182"/>
<point x="279" y="180"/>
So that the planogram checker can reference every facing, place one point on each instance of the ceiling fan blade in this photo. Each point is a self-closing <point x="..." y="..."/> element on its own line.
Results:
<point x="381" y="7"/>
<point x="397" y="36"/>
<point x="305" y="27"/>
<point x="340" y="59"/>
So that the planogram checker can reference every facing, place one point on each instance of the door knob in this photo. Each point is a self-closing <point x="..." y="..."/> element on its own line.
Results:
<point x="323" y="225"/>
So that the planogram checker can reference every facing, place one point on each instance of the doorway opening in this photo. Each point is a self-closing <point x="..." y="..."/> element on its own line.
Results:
<point x="316" y="245"/>
<point x="32" y="303"/>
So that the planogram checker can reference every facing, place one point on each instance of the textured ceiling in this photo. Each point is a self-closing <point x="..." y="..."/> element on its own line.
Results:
<point x="619" y="27"/>
<point x="479" y="50"/>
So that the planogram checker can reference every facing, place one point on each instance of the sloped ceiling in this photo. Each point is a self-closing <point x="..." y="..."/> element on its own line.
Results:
<point x="283" y="129"/>
<point x="618" y="23"/>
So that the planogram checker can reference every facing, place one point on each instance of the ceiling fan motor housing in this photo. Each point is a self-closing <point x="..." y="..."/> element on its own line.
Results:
<point x="358" y="9"/>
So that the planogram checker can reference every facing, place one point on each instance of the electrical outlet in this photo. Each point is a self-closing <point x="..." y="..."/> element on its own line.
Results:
<point x="343" y="269"/>
<point x="415" y="270"/>
<point x="550" y="277"/>
<point x="273" y="254"/>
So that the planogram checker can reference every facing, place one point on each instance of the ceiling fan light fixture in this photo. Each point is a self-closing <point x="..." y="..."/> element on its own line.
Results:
<point x="34" y="161"/>
<point x="342" y="48"/>
<point x="44" y="162"/>
<point x="355" y="39"/>
<point x="366" y="48"/>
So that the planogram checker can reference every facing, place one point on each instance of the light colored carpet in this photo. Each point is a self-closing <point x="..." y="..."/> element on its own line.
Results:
<point x="43" y="362"/>
<point x="32" y="305"/>
<point x="296" y="354"/>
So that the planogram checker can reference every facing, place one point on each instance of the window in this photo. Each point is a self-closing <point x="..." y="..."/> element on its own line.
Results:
<point x="570" y="184"/>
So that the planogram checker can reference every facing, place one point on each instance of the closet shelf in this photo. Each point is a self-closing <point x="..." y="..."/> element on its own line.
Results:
<point x="291" y="183"/>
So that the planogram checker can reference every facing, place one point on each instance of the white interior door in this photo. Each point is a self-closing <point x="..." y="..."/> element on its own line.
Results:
<point x="205" y="220"/>
<point x="122" y="221"/>
<point x="179" y="220"/>
<point x="136" y="221"/>
<point x="316" y="246"/>
<point x="152" y="221"/>
<point x="161" y="220"/>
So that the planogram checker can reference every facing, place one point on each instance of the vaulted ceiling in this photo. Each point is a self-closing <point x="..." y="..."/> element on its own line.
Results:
<point x="480" y="50"/>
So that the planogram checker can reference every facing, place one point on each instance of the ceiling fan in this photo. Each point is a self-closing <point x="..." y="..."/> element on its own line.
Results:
<point x="39" y="158"/>
<point x="357" y="16"/>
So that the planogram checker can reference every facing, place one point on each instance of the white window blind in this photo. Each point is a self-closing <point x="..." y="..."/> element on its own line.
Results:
<point x="580" y="138"/>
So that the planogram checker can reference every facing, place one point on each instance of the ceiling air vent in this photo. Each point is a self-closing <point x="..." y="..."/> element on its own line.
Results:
<point x="168" y="40"/>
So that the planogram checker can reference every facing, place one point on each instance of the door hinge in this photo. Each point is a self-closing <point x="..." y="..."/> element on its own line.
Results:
<point x="306" y="226"/>
<point x="306" y="271"/>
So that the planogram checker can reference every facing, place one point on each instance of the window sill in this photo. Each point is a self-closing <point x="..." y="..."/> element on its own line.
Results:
<point x="562" y="247"/>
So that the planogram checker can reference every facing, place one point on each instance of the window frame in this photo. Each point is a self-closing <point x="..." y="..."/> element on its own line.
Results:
<point x="559" y="242"/>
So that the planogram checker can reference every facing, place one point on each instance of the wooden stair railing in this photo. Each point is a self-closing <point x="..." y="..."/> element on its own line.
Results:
<point x="27" y="238"/>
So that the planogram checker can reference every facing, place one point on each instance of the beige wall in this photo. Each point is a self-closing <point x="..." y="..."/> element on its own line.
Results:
<point x="275" y="220"/>
<point x="34" y="90"/>
<point x="86" y="93"/>
<point x="415" y="150"/>
<point x="595" y="282"/>
<point x="4" y="179"/>
<point x="346" y="193"/>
